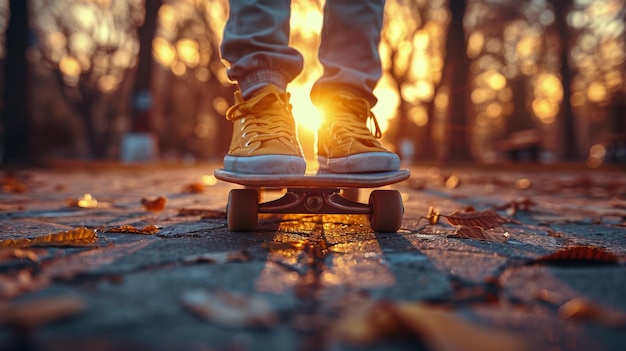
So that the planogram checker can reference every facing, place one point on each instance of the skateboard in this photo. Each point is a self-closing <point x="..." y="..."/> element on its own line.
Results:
<point x="319" y="193"/>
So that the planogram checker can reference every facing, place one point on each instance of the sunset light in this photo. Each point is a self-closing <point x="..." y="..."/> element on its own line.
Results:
<point x="520" y="72"/>
<point x="306" y="115"/>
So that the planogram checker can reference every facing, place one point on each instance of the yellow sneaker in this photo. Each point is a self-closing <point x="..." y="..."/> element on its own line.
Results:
<point x="345" y="144"/>
<point x="264" y="134"/>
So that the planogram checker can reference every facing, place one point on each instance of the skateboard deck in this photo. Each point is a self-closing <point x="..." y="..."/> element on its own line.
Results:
<point x="317" y="180"/>
<point x="318" y="193"/>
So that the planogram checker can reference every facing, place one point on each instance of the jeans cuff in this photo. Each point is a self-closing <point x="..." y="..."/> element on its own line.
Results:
<point x="256" y="80"/>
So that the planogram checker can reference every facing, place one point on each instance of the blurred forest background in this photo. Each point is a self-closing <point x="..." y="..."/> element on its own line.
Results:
<point x="464" y="80"/>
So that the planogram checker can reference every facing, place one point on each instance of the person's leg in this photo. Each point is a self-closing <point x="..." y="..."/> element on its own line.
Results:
<point x="259" y="59"/>
<point x="352" y="68"/>
<point x="349" y="48"/>
<point x="255" y="45"/>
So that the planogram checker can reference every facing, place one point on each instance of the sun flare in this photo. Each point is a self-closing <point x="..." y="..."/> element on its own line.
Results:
<point x="305" y="113"/>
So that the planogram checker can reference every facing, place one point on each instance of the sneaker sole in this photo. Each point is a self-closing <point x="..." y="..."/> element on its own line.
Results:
<point x="265" y="164"/>
<point x="361" y="163"/>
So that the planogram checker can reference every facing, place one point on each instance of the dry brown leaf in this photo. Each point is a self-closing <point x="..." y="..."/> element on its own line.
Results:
<point x="81" y="236"/>
<point x="11" y="184"/>
<point x="579" y="308"/>
<point x="148" y="229"/>
<point x="512" y="207"/>
<point x="484" y="219"/>
<point x="154" y="205"/>
<point x="369" y="322"/>
<point x="219" y="257"/>
<point x="481" y="234"/>
<point x="230" y="309"/>
<point x="195" y="188"/>
<point x="578" y="254"/>
<point x="31" y="314"/>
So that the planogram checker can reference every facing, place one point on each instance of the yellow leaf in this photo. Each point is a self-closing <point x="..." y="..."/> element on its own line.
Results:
<point x="373" y="321"/>
<point x="87" y="201"/>
<point x="148" y="229"/>
<point x="76" y="237"/>
<point x="433" y="215"/>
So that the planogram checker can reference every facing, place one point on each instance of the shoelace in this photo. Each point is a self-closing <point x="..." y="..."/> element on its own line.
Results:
<point x="265" y="119"/>
<point x="350" y="127"/>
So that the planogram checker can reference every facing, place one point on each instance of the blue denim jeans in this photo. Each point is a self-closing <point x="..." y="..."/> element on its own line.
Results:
<point x="256" y="46"/>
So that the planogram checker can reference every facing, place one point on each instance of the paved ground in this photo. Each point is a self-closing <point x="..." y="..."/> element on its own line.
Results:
<point x="546" y="273"/>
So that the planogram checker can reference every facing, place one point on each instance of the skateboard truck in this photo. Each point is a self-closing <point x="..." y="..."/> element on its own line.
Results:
<point x="312" y="201"/>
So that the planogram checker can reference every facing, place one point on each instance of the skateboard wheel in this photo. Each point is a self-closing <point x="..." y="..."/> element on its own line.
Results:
<point x="242" y="211"/>
<point x="387" y="210"/>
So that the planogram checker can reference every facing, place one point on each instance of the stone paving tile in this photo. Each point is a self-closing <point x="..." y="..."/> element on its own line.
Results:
<point x="311" y="269"/>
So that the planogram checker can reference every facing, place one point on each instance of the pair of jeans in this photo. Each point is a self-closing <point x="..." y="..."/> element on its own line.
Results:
<point x="256" y="47"/>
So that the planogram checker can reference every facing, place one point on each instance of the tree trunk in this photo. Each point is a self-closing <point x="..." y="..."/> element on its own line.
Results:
<point x="567" y="124"/>
<point x="16" y="117"/>
<point x="455" y="76"/>
<point x="142" y="97"/>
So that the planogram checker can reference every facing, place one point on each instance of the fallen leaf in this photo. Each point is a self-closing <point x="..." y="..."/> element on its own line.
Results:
<point x="512" y="207"/>
<point x="432" y="215"/>
<point x="578" y="254"/>
<point x="219" y="257"/>
<point x="523" y="183"/>
<point x="31" y="314"/>
<point x="81" y="236"/>
<point x="195" y="188"/>
<point x="19" y="283"/>
<point x="154" y="205"/>
<point x="484" y="219"/>
<point x="230" y="309"/>
<point x="481" y="234"/>
<point x="10" y="183"/>
<point x="583" y="309"/>
<point x="16" y="253"/>
<point x="452" y="182"/>
<point x="87" y="201"/>
<point x="148" y="229"/>
<point x="372" y="321"/>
